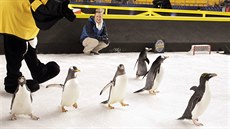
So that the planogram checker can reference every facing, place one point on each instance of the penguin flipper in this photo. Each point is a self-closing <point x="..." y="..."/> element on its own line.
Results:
<point x="145" y="74"/>
<point x="31" y="98"/>
<point x="110" y="84"/>
<point x="135" y="64"/>
<point x="191" y="105"/>
<point x="194" y="102"/>
<point x="147" y="60"/>
<point x="12" y="101"/>
<point x="55" y="85"/>
<point x="158" y="69"/>
<point x="193" y="88"/>
<point x="139" y="90"/>
<point x="105" y="102"/>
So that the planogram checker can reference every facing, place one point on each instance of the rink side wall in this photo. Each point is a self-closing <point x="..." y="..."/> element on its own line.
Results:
<point x="133" y="35"/>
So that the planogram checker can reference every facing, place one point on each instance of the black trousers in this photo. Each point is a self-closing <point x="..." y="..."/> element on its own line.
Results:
<point x="17" y="49"/>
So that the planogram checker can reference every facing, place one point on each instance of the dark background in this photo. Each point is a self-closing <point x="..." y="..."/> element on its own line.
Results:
<point x="133" y="35"/>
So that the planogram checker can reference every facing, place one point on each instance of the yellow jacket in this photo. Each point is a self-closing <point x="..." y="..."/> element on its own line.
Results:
<point x="16" y="18"/>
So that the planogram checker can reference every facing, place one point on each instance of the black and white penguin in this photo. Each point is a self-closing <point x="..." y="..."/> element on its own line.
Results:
<point x="199" y="101"/>
<point x="22" y="101"/>
<point x="117" y="88"/>
<point x="71" y="89"/>
<point x="141" y="62"/>
<point x="154" y="76"/>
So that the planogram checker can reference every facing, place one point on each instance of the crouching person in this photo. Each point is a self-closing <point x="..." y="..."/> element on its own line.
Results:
<point x="94" y="35"/>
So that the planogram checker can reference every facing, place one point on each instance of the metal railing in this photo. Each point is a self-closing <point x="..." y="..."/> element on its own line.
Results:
<point x="173" y="2"/>
<point x="140" y="13"/>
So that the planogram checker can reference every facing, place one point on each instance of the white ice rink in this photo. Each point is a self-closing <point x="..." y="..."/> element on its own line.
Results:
<point x="145" y="111"/>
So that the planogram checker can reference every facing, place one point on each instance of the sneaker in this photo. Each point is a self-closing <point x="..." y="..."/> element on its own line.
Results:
<point x="95" y="53"/>
<point x="87" y="53"/>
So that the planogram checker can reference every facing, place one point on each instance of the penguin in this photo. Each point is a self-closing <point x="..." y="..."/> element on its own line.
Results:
<point x="22" y="101"/>
<point x="71" y="91"/>
<point x="141" y="62"/>
<point x="154" y="76"/>
<point x="200" y="99"/>
<point x="117" y="88"/>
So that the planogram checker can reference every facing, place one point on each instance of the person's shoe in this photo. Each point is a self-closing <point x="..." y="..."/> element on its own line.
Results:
<point x="12" y="85"/>
<point x="87" y="52"/>
<point x="50" y="70"/>
<point x="95" y="53"/>
<point x="32" y="85"/>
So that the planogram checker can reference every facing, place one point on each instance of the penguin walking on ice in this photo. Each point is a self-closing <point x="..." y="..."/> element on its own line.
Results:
<point x="117" y="88"/>
<point x="141" y="62"/>
<point x="199" y="101"/>
<point x="22" y="101"/>
<point x="154" y="76"/>
<point x="71" y="91"/>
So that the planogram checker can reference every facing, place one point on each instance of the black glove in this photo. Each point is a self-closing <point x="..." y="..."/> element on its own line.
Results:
<point x="99" y="38"/>
<point x="105" y="39"/>
<point x="67" y="13"/>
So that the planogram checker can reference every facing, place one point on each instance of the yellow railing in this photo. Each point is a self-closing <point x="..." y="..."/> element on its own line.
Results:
<point x="173" y="2"/>
<point x="139" y="13"/>
<point x="196" y="2"/>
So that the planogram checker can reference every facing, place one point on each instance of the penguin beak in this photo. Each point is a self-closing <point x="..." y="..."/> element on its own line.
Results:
<point x="77" y="70"/>
<point x="166" y="57"/>
<point x="149" y="49"/>
<point x="213" y="74"/>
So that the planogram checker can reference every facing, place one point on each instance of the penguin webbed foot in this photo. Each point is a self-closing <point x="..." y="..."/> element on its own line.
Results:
<point x="75" y="105"/>
<point x="63" y="109"/>
<point x="110" y="107"/>
<point x="153" y="92"/>
<point x="33" y="117"/>
<point x="124" y="104"/>
<point x="13" y="117"/>
<point x="195" y="121"/>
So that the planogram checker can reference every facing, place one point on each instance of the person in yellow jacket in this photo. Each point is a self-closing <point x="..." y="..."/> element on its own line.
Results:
<point x="20" y="21"/>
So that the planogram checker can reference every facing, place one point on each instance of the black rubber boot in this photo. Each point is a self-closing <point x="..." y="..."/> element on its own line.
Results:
<point x="15" y="48"/>
<point x="11" y="85"/>
<point x="49" y="71"/>
<point x="39" y="71"/>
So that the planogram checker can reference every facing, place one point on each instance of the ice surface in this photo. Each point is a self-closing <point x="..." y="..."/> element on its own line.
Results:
<point x="144" y="111"/>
